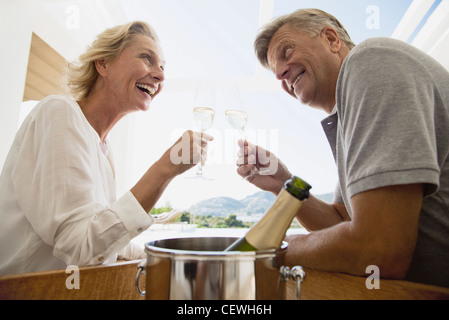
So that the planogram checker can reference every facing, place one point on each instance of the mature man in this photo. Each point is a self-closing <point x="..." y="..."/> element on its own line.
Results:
<point x="388" y="127"/>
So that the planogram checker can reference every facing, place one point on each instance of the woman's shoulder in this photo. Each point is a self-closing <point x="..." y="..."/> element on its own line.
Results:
<point x="54" y="107"/>
<point x="56" y="113"/>
<point x="56" y="101"/>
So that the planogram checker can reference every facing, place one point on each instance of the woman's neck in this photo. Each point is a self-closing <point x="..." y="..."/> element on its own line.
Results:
<point x="101" y="113"/>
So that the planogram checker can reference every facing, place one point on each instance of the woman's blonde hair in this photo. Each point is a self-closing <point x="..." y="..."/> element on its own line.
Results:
<point x="82" y="74"/>
<point x="310" y="21"/>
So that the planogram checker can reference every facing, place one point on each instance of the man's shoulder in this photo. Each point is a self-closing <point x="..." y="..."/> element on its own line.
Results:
<point x="378" y="47"/>
<point x="381" y="42"/>
<point x="388" y="50"/>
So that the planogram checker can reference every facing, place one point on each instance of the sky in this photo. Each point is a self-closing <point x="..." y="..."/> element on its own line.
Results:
<point x="212" y="41"/>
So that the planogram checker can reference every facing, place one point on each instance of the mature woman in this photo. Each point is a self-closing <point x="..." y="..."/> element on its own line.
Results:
<point x="58" y="204"/>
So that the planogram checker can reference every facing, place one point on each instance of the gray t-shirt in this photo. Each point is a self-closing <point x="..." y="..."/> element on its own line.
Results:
<point x="390" y="126"/>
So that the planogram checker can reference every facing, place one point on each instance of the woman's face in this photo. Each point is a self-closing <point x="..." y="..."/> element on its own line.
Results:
<point x="136" y="76"/>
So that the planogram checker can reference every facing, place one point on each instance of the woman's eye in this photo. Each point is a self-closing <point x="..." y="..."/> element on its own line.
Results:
<point x="148" y="58"/>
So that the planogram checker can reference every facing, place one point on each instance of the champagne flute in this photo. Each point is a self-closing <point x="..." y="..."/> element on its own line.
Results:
<point x="203" y="118"/>
<point x="203" y="114"/>
<point x="237" y="117"/>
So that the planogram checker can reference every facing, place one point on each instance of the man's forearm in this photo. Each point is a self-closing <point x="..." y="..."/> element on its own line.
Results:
<point x="383" y="232"/>
<point x="317" y="215"/>
<point x="333" y="249"/>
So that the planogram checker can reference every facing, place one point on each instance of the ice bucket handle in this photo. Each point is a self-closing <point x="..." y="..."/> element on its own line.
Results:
<point x="297" y="273"/>
<point x="140" y="270"/>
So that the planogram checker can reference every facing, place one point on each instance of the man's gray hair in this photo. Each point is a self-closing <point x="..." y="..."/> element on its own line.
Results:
<point x="310" y="21"/>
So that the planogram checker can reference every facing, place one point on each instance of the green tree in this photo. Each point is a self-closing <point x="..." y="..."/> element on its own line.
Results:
<point x="160" y="210"/>
<point x="208" y="221"/>
<point x="232" y="222"/>
<point x="184" y="217"/>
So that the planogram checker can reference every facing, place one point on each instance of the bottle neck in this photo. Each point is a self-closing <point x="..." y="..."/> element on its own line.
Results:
<point x="298" y="188"/>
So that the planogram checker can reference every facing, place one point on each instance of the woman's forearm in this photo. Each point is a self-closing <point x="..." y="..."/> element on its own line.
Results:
<point x="153" y="183"/>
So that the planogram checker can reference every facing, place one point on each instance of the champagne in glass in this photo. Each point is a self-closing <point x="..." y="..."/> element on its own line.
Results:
<point x="203" y="118"/>
<point x="237" y="119"/>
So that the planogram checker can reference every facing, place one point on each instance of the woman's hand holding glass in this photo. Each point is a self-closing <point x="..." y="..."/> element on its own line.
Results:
<point x="189" y="150"/>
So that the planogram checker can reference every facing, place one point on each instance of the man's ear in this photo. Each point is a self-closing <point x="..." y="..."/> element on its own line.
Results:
<point x="331" y="37"/>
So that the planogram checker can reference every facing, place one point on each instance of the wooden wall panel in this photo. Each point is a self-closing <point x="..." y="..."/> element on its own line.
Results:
<point x="45" y="71"/>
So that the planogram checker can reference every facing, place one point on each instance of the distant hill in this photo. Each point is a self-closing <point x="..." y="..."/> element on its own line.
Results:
<point x="254" y="204"/>
<point x="257" y="203"/>
<point x="218" y="206"/>
<point x="327" y="197"/>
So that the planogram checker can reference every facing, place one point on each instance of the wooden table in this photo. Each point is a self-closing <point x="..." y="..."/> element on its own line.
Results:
<point x="319" y="285"/>
<point x="117" y="282"/>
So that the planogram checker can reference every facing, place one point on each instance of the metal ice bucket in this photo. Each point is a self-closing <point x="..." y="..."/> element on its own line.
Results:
<point x="199" y="269"/>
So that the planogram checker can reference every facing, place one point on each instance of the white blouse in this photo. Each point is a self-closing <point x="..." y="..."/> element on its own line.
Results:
<point x="58" y="204"/>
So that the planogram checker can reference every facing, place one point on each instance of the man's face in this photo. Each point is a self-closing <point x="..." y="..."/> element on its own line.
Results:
<point x="307" y="66"/>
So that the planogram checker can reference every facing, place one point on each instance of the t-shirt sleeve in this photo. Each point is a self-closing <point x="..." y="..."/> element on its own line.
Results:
<point x="387" y="122"/>
<point x="337" y="197"/>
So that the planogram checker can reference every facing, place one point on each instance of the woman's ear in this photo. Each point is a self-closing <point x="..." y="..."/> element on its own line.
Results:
<point x="101" y="66"/>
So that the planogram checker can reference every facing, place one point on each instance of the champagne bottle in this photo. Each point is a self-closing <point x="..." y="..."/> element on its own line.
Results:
<point x="269" y="231"/>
